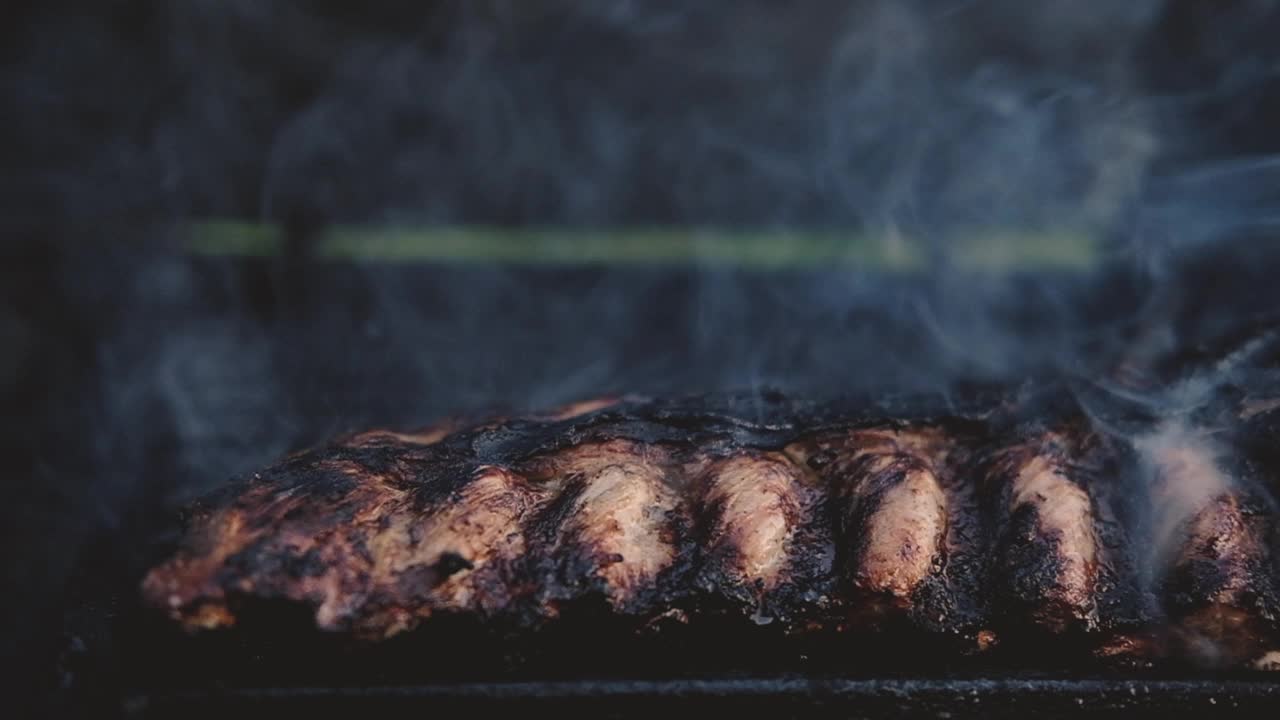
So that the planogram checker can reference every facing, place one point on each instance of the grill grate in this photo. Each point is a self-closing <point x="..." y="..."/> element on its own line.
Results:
<point x="778" y="696"/>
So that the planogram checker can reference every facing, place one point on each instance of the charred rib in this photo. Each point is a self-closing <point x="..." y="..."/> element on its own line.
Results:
<point x="958" y="525"/>
<point x="1047" y="546"/>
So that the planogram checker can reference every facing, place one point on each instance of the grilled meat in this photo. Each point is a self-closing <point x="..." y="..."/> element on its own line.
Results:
<point x="1212" y="539"/>
<point x="1048" y="551"/>
<point x="616" y="526"/>
<point x="970" y="523"/>
<point x="757" y="505"/>
<point x="891" y="510"/>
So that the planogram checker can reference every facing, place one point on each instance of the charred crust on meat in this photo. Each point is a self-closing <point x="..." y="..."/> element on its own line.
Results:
<point x="860" y="515"/>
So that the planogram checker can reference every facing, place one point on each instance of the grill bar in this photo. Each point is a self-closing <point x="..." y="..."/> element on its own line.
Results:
<point x="823" y="697"/>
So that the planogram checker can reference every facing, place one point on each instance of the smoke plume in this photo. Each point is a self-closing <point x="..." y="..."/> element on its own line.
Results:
<point x="144" y="374"/>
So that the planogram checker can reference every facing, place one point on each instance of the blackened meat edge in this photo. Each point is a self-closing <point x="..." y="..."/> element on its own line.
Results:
<point x="995" y="523"/>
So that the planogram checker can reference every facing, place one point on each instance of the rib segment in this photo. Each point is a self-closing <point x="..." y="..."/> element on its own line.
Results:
<point x="757" y="504"/>
<point x="1046" y="563"/>
<point x="613" y="524"/>
<point x="1214" y="565"/>
<point x="892" y="510"/>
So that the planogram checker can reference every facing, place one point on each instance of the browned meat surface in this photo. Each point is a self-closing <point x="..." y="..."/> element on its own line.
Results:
<point x="1213" y="549"/>
<point x="756" y="502"/>
<point x="616" y="520"/>
<point x="955" y="525"/>
<point x="891" y="506"/>
<point x="1212" y="584"/>
<point x="1048" y="548"/>
<point x="366" y="557"/>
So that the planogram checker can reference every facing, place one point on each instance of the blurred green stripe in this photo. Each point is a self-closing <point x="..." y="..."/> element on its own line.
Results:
<point x="989" y="251"/>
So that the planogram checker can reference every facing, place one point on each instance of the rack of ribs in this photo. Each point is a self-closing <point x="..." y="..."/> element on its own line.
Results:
<point x="990" y="523"/>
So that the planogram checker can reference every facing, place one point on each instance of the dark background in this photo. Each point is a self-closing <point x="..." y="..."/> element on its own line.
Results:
<point x="134" y="374"/>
